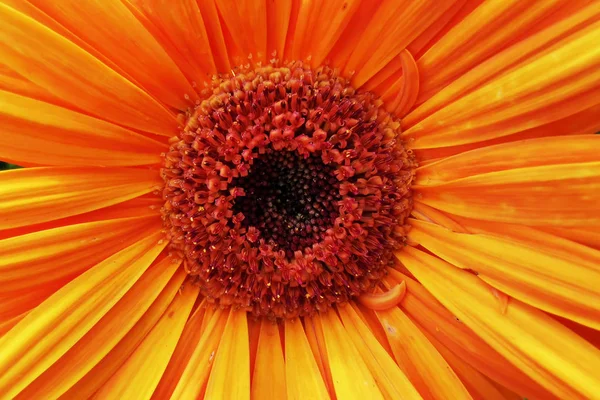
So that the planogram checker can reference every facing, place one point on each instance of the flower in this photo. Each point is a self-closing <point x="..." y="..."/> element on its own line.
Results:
<point x="271" y="199"/>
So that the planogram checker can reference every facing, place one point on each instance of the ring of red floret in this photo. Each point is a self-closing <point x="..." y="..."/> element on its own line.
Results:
<point x="294" y="109"/>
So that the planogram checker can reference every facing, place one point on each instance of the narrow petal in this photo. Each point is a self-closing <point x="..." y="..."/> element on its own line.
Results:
<point x="351" y="376"/>
<point x="140" y="374"/>
<point x="303" y="379"/>
<point x="554" y="85"/>
<point x="110" y="363"/>
<point x="212" y="23"/>
<point x="40" y="133"/>
<point x="268" y="381"/>
<point x="392" y="28"/>
<point x="34" y="195"/>
<point x="531" y="153"/>
<point x="69" y="314"/>
<point x="104" y="336"/>
<point x="314" y="333"/>
<point x="13" y="82"/>
<point x="232" y="360"/>
<point x="424" y="366"/>
<point x="181" y="355"/>
<point x="278" y="20"/>
<point x="43" y="258"/>
<point x="519" y="53"/>
<point x="571" y="194"/>
<point x="195" y="376"/>
<point x="544" y="349"/>
<point x="392" y="382"/>
<point x="441" y="324"/>
<point x="536" y="273"/>
<point x="72" y="74"/>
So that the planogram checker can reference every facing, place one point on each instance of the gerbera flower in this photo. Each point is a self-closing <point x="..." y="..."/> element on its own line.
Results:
<point x="300" y="199"/>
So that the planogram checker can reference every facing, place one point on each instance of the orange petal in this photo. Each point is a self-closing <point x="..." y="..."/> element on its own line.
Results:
<point x="385" y="300"/>
<point x="438" y="322"/>
<point x="555" y="85"/>
<point x="212" y="23"/>
<point x="406" y="99"/>
<point x="232" y="360"/>
<point x="303" y="379"/>
<point x="570" y="193"/>
<point x="103" y="26"/>
<point x="278" y="20"/>
<point x="519" y="53"/>
<point x="554" y="275"/>
<point x="181" y="356"/>
<point x="72" y="74"/>
<point x="588" y="237"/>
<point x="268" y="381"/>
<point x="69" y="314"/>
<point x="424" y="366"/>
<point x="542" y="348"/>
<point x="314" y="334"/>
<point x="194" y="379"/>
<point x="392" y="28"/>
<point x="43" y="258"/>
<point x="34" y="195"/>
<point x="140" y="374"/>
<point x="391" y="380"/>
<point x="351" y="376"/>
<point x="501" y="157"/>
<point x="104" y="336"/>
<point x="52" y="135"/>
<point x="13" y="82"/>
<point x="97" y="376"/>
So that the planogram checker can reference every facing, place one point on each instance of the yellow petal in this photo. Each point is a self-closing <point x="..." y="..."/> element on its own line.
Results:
<point x="541" y="347"/>
<point x="140" y="374"/>
<point x="57" y="324"/>
<point x="231" y="361"/>
<point x="268" y="381"/>
<point x="351" y="376"/>
<point x="392" y="382"/>
<point x="110" y="363"/>
<point x="34" y="195"/>
<point x="302" y="376"/>
<point x="194" y="379"/>
<point x="104" y="336"/>
<point x="75" y="76"/>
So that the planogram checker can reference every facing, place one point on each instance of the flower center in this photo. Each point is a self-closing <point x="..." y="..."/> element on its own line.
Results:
<point x="286" y="191"/>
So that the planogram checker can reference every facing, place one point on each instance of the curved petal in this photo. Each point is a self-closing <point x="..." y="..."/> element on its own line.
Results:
<point x="139" y="375"/>
<point x="104" y="336"/>
<point x="40" y="133"/>
<point x="34" y="195"/>
<point x="544" y="349"/>
<point x="69" y="314"/>
<point x="75" y="76"/>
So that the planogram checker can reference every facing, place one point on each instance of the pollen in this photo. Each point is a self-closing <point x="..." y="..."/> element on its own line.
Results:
<point x="286" y="191"/>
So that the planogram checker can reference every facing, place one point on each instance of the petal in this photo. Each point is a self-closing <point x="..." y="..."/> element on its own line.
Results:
<point x="559" y="83"/>
<point x="103" y="25"/>
<point x="392" y="28"/>
<point x="392" y="382"/>
<point x="34" y="195"/>
<point x="501" y="157"/>
<point x="110" y="363"/>
<point x="303" y="379"/>
<point x="534" y="272"/>
<point x="441" y="324"/>
<point x="544" y="349"/>
<point x="571" y="194"/>
<point x="195" y="376"/>
<point x="278" y="20"/>
<point x="424" y="366"/>
<point x="140" y="374"/>
<point x="517" y="54"/>
<point x="316" y="339"/>
<point x="104" y="336"/>
<point x="232" y="360"/>
<point x="268" y="381"/>
<point x="69" y="314"/>
<point x="75" y="76"/>
<point x="43" y="258"/>
<point x="351" y="376"/>
<point x="57" y="136"/>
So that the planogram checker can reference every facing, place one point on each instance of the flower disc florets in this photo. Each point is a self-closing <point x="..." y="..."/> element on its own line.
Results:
<point x="287" y="191"/>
